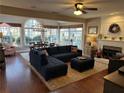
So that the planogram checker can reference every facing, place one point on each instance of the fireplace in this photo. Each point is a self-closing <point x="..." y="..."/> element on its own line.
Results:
<point x="110" y="51"/>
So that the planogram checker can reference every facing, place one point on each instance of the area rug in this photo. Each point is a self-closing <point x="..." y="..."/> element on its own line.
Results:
<point x="25" y="56"/>
<point x="102" y="60"/>
<point x="72" y="75"/>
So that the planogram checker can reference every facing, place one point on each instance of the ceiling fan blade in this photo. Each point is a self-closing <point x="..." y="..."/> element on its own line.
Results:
<point x="84" y="12"/>
<point x="65" y="9"/>
<point x="92" y="9"/>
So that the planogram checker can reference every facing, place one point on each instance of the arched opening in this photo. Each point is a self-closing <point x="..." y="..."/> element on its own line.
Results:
<point x="32" y="31"/>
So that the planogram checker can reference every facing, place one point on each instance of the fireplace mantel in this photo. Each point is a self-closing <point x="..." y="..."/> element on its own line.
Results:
<point x="115" y="43"/>
<point x="112" y="40"/>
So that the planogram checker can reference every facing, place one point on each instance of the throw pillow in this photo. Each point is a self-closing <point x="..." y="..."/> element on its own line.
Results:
<point x="43" y="55"/>
<point x="62" y="49"/>
<point x="74" y="49"/>
<point x="122" y="58"/>
<point x="44" y="59"/>
<point x="119" y="55"/>
<point x="44" y="52"/>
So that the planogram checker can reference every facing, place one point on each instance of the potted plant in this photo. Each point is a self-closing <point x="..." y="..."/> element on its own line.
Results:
<point x="120" y="38"/>
<point x="105" y="37"/>
<point x="113" y="38"/>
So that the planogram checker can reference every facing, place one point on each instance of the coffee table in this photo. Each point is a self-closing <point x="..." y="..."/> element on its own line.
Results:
<point x="82" y="63"/>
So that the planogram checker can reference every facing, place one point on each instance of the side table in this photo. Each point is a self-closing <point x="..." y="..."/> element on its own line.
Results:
<point x="114" y="83"/>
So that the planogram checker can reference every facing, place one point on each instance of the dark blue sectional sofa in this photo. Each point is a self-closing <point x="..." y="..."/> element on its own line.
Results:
<point x="53" y="65"/>
<point x="63" y="53"/>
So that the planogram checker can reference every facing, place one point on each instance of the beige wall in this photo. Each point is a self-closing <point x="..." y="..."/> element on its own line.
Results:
<point x="90" y="37"/>
<point x="105" y="23"/>
<point x="92" y="22"/>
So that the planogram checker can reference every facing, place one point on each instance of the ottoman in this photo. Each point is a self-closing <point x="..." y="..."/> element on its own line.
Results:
<point x="82" y="64"/>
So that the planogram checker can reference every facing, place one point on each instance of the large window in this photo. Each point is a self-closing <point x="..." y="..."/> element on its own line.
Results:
<point x="71" y="36"/>
<point x="51" y="35"/>
<point x="64" y="36"/>
<point x="10" y="34"/>
<point x="76" y="36"/>
<point x="32" y="31"/>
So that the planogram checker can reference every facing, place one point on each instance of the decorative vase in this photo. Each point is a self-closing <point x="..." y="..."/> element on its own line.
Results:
<point x="105" y="37"/>
<point x="113" y="38"/>
<point x="120" y="38"/>
<point x="100" y="36"/>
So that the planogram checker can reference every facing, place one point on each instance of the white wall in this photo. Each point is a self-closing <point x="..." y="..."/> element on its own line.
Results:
<point x="90" y="37"/>
<point x="105" y="23"/>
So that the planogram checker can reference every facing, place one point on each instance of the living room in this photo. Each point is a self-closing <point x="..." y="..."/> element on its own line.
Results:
<point x="52" y="51"/>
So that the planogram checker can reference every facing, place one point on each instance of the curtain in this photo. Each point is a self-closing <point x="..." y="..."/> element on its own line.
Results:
<point x="12" y="24"/>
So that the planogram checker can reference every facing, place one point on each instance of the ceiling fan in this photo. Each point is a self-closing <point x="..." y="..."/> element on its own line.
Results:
<point x="81" y="8"/>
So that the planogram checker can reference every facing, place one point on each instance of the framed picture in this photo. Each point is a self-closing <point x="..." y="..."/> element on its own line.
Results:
<point x="92" y="29"/>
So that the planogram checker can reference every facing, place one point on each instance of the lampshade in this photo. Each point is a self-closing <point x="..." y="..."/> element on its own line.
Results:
<point x="77" y="12"/>
<point x="1" y="34"/>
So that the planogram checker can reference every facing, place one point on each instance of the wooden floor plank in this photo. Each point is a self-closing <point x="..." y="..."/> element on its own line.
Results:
<point x="19" y="78"/>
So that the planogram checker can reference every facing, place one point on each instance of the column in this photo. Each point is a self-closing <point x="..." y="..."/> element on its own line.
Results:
<point x="22" y="35"/>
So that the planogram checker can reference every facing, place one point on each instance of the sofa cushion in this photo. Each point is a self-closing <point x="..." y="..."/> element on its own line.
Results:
<point x="52" y="50"/>
<point x="115" y="64"/>
<point x="53" y="62"/>
<point x="64" y="56"/>
<point x="74" y="49"/>
<point x="62" y="49"/>
<point x="43" y="57"/>
<point x="68" y="48"/>
<point x="54" y="68"/>
<point x="118" y="56"/>
<point x="122" y="58"/>
<point x="36" y="52"/>
<point x="44" y="51"/>
<point x="44" y="60"/>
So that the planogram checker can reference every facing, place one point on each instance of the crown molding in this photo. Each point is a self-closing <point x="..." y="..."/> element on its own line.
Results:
<point x="36" y="14"/>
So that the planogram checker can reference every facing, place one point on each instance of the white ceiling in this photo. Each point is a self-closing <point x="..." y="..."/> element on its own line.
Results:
<point x="66" y="7"/>
<point x="22" y="20"/>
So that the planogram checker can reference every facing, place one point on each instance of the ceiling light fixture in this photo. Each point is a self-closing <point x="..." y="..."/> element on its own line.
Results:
<point x="77" y="12"/>
<point x="81" y="9"/>
<point x="79" y="5"/>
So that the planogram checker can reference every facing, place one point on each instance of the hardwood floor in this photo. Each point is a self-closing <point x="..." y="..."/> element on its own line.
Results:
<point x="19" y="78"/>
